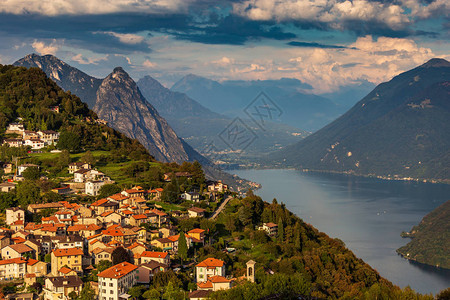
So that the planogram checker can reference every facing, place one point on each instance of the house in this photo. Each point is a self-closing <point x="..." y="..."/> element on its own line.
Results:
<point x="80" y="175"/>
<point x="68" y="241"/>
<point x="7" y="167"/>
<point x="23" y="167"/>
<point x="137" y="248"/>
<point x="35" y="143"/>
<point x="35" y="245"/>
<point x="146" y="271"/>
<point x="22" y="296"/>
<point x="62" y="190"/>
<point x="59" y="287"/>
<point x="92" y="187"/>
<point x="64" y="216"/>
<point x="209" y="267"/>
<point x="199" y="295"/>
<point x="162" y="216"/>
<point x="6" y="187"/>
<point x="191" y="196"/>
<point x="49" y="137"/>
<point x="37" y="208"/>
<point x="75" y="166"/>
<point x="270" y="228"/>
<point x="28" y="135"/>
<point x="102" y="205"/>
<point x="111" y="217"/>
<point x="215" y="283"/>
<point x="217" y="186"/>
<point x="18" y="225"/>
<point x="15" y="128"/>
<point x="17" y="251"/>
<point x="197" y="233"/>
<point x="71" y="258"/>
<point x="196" y="212"/>
<point x="14" y="214"/>
<point x="102" y="254"/>
<point x="116" y="280"/>
<point x="137" y="220"/>
<point x="162" y="243"/>
<point x="39" y="268"/>
<point x="13" y="142"/>
<point x="167" y="231"/>
<point x="161" y="257"/>
<point x="84" y="230"/>
<point x="12" y="268"/>
<point x="155" y="194"/>
<point x="134" y="192"/>
<point x="65" y="271"/>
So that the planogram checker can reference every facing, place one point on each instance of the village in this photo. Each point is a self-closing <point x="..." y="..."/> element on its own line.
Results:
<point x="121" y="240"/>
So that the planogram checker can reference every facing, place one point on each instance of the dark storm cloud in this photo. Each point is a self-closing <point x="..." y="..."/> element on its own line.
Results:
<point x="315" y="45"/>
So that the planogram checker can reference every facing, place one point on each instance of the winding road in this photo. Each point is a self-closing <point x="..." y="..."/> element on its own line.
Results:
<point x="221" y="207"/>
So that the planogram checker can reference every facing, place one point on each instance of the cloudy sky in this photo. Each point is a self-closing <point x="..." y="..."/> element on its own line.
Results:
<point x="325" y="43"/>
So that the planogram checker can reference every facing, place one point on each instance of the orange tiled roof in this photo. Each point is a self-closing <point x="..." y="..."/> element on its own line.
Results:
<point x="78" y="227"/>
<point x="218" y="279"/>
<point x="32" y="262"/>
<point x="113" y="232"/>
<point x="99" y="202"/>
<point x="127" y="212"/>
<point x="118" y="197"/>
<point x="154" y="254"/>
<point x="65" y="270"/>
<point x="118" y="270"/>
<point x="158" y="212"/>
<point x="106" y="213"/>
<point x="67" y="252"/>
<point x="93" y="227"/>
<point x="205" y="285"/>
<point x="196" y="230"/>
<point x="12" y="261"/>
<point x="134" y="245"/>
<point x="94" y="236"/>
<point x="18" y="222"/>
<point x="211" y="263"/>
<point x="270" y="225"/>
<point x="139" y="217"/>
<point x="18" y="240"/>
<point x="20" y="248"/>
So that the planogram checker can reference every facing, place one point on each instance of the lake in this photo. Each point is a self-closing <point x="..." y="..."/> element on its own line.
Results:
<point x="368" y="214"/>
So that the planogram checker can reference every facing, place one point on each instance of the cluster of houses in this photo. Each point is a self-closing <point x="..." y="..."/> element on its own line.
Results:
<point x="36" y="140"/>
<point x="76" y="237"/>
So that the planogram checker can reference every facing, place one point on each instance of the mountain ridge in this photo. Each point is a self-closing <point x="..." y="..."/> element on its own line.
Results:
<point x="387" y="133"/>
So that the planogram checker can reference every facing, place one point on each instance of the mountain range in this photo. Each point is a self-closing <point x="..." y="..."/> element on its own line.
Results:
<point x="202" y="127"/>
<point x="117" y="100"/>
<point x="399" y="130"/>
<point x="299" y="107"/>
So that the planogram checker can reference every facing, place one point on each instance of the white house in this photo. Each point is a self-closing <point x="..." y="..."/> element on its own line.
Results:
<point x="209" y="267"/>
<point x="23" y="167"/>
<point x="93" y="187"/>
<point x="12" y="268"/>
<point x="49" y="137"/>
<point x="15" y="128"/>
<point x="13" y="142"/>
<point x="270" y="228"/>
<point x="14" y="214"/>
<point x="35" y="143"/>
<point x="115" y="281"/>
<point x="191" y="196"/>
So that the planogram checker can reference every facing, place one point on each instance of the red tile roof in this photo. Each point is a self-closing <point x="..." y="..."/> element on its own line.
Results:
<point x="67" y="252"/>
<point x="12" y="261"/>
<point x="211" y="263"/>
<point x="154" y="254"/>
<point x="139" y="217"/>
<point x="118" y="270"/>
<point x="65" y="270"/>
<point x="196" y="230"/>
<point x="20" y="248"/>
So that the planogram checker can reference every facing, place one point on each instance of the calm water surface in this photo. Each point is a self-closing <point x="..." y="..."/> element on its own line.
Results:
<point x="367" y="214"/>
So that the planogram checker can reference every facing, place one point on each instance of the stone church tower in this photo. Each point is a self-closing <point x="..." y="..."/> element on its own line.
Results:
<point x="251" y="270"/>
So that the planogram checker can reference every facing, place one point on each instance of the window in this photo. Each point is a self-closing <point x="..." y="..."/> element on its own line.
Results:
<point x="111" y="292"/>
<point x="111" y="284"/>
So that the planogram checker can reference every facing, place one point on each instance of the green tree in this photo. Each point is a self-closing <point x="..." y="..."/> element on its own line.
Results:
<point x="31" y="173"/>
<point x="280" y="230"/>
<point x="27" y="193"/>
<point x="173" y="292"/>
<point x="119" y="255"/>
<point x="88" y="158"/>
<point x="103" y="265"/>
<point x="182" y="247"/>
<point x="152" y="294"/>
<point x="63" y="160"/>
<point x="69" y="141"/>
<point x="48" y="258"/>
<point x="136" y="291"/>
<point x="87" y="293"/>
<point x="108" y="190"/>
<point x="72" y="295"/>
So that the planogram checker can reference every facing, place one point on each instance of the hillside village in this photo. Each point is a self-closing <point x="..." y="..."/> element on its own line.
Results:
<point x="122" y="240"/>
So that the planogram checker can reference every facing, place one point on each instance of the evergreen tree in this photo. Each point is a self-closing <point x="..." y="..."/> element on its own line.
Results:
<point x="87" y="293"/>
<point x="182" y="247"/>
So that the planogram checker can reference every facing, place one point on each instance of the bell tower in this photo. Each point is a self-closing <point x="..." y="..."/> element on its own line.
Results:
<point x="251" y="270"/>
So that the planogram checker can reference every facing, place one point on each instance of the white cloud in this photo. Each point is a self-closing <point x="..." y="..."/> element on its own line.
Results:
<point x="126" y="38"/>
<point x="64" y="7"/>
<point x="79" y="58"/>
<point x="328" y="11"/>
<point x="148" y="64"/>
<point x="224" y="62"/>
<point x="44" y="49"/>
